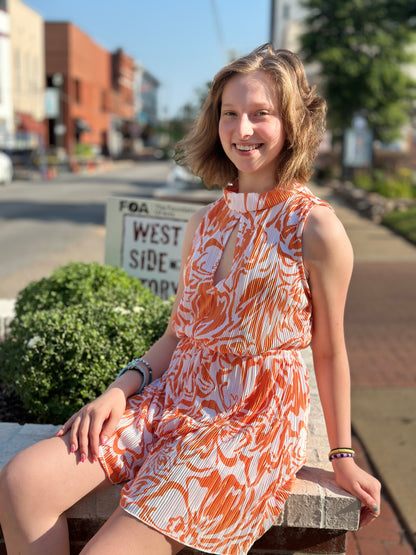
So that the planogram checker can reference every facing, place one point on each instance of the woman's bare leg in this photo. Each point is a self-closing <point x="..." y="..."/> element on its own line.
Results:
<point x="123" y="533"/>
<point x="36" y="487"/>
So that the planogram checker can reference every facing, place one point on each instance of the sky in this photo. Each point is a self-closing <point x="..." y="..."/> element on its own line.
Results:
<point x="182" y="43"/>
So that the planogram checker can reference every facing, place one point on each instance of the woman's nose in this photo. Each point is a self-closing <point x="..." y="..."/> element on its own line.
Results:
<point x="245" y="127"/>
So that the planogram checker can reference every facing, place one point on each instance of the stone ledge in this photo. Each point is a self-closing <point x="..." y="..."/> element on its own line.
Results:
<point x="316" y="504"/>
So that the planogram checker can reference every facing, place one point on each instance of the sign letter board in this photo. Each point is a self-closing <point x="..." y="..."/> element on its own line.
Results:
<point x="145" y="237"/>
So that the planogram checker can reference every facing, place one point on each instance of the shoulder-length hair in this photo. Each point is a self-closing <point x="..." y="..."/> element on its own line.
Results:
<point x="303" y="113"/>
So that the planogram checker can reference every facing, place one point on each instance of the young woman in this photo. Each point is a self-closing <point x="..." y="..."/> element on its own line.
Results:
<point x="209" y="449"/>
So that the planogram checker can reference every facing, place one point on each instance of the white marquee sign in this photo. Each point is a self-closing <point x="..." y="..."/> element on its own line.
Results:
<point x="145" y="237"/>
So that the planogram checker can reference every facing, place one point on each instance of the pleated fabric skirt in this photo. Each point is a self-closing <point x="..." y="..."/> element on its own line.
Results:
<point x="209" y="452"/>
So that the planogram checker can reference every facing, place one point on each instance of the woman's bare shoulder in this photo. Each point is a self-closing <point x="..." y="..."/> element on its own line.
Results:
<point x="324" y="235"/>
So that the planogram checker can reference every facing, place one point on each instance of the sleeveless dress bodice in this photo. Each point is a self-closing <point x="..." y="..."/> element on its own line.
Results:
<point x="264" y="302"/>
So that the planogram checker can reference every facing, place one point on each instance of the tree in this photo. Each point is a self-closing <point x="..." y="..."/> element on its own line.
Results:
<point x="178" y="126"/>
<point x="364" y="48"/>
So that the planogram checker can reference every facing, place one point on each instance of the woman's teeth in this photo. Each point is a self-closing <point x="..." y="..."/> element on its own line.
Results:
<point x="246" y="147"/>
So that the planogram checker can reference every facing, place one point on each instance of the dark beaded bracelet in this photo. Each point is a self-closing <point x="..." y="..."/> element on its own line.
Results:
<point x="340" y="456"/>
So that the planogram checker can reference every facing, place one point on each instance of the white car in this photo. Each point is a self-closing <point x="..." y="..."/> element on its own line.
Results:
<point x="6" y="169"/>
<point x="182" y="178"/>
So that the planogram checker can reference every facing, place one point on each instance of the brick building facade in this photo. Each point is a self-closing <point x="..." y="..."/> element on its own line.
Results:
<point x="81" y="71"/>
<point x="95" y="89"/>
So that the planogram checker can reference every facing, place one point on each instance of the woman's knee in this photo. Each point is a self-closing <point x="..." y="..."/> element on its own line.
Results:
<point x="14" y="480"/>
<point x="26" y="478"/>
<point x="20" y="472"/>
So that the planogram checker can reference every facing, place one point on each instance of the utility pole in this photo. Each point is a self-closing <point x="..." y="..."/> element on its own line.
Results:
<point x="273" y="22"/>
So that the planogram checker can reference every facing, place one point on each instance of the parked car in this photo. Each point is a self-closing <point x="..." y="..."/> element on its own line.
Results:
<point x="6" y="168"/>
<point x="181" y="178"/>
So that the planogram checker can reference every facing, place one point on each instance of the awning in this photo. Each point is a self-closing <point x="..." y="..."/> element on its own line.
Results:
<point x="82" y="126"/>
<point x="26" y="122"/>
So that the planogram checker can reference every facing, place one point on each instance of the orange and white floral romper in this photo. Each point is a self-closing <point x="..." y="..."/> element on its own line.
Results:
<point x="208" y="452"/>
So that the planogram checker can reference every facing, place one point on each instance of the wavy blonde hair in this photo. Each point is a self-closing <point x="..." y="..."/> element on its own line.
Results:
<point x="303" y="113"/>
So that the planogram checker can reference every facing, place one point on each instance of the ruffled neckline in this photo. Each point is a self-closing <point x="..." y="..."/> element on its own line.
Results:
<point x="253" y="202"/>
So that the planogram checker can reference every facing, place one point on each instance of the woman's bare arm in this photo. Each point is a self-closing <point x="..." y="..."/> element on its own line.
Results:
<point x="328" y="260"/>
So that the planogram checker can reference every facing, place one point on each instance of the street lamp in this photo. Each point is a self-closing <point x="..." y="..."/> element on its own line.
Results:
<point x="60" y="128"/>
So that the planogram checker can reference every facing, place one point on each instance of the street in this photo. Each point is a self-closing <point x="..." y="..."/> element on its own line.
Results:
<point x="44" y="224"/>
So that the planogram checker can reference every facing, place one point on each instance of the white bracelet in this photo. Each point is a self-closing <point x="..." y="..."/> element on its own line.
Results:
<point x="149" y="369"/>
<point x="134" y="366"/>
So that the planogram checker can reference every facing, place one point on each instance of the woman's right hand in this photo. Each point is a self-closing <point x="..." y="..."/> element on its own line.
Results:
<point x="94" y="423"/>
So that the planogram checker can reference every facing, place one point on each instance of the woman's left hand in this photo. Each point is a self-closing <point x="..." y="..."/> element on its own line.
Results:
<point x="362" y="485"/>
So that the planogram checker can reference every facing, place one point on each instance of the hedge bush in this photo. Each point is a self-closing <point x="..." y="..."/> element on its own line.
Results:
<point x="399" y="184"/>
<point x="72" y="333"/>
<point x="403" y="223"/>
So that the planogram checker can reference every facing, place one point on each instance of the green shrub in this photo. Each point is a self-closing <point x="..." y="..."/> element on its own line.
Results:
<point x="83" y="150"/>
<point x="79" y="283"/>
<point x="397" y="185"/>
<point x="72" y="333"/>
<point x="395" y="188"/>
<point x="364" y="181"/>
<point x="403" y="223"/>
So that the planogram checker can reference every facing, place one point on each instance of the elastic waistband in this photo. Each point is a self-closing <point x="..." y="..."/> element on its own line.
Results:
<point x="199" y="343"/>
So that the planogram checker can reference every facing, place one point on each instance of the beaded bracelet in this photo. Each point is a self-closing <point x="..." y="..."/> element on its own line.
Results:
<point x="340" y="456"/>
<point x="149" y="369"/>
<point x="341" y="452"/>
<point x="135" y="365"/>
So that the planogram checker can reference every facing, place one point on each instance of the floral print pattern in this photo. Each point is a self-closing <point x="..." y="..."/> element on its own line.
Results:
<point x="208" y="453"/>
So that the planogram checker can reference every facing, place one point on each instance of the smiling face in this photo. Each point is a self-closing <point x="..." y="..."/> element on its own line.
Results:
<point x="251" y="129"/>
